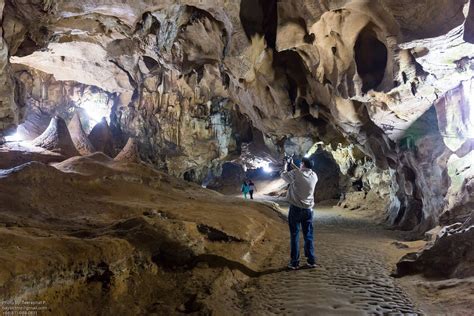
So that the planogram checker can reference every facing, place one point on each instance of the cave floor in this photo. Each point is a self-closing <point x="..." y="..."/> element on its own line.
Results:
<point x="353" y="276"/>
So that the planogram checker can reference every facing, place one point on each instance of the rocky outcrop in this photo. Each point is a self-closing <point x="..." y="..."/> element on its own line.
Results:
<point x="79" y="137"/>
<point x="451" y="254"/>
<point x="151" y="233"/>
<point x="8" y="110"/>
<point x="56" y="138"/>
<point x="41" y="97"/>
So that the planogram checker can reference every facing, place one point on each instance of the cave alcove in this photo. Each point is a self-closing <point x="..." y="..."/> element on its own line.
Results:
<point x="371" y="58"/>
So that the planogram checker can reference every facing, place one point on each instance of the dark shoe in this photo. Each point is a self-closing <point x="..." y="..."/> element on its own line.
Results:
<point x="311" y="265"/>
<point x="292" y="267"/>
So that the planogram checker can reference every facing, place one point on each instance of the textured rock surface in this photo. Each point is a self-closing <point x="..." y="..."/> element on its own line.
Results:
<point x="79" y="137"/>
<point x="56" y="138"/>
<point x="8" y="109"/>
<point x="394" y="78"/>
<point x="41" y="97"/>
<point x="151" y="236"/>
<point x="129" y="153"/>
<point x="451" y="254"/>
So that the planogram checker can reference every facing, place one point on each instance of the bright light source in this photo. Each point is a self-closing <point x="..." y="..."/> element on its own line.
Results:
<point x="14" y="138"/>
<point x="266" y="168"/>
<point x="95" y="110"/>
<point x="307" y="155"/>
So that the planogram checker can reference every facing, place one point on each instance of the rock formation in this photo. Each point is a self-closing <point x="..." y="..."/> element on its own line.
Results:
<point x="328" y="171"/>
<point x="129" y="153"/>
<point x="79" y="137"/>
<point x="196" y="80"/>
<point x="451" y="254"/>
<point x="152" y="234"/>
<point x="101" y="138"/>
<point x="56" y="138"/>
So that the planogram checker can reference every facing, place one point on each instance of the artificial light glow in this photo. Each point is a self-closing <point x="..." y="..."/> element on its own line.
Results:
<point x="266" y="168"/>
<point x="307" y="155"/>
<point x="95" y="110"/>
<point x="14" y="138"/>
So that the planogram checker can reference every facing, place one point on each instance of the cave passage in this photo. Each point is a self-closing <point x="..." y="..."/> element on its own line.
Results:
<point x="143" y="143"/>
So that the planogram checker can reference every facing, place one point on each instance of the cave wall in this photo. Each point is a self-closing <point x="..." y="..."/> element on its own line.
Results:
<point x="40" y="97"/>
<point x="8" y="110"/>
<point x="184" y="75"/>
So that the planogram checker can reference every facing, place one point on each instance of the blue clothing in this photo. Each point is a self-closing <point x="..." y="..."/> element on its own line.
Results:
<point x="301" y="217"/>
<point x="245" y="190"/>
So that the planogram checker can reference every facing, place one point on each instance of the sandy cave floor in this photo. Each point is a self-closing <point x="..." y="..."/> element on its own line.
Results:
<point x="353" y="276"/>
<point x="356" y="258"/>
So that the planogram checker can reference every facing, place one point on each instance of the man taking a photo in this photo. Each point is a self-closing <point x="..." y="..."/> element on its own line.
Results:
<point x="302" y="181"/>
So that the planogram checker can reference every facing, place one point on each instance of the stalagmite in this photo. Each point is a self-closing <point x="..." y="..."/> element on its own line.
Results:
<point x="130" y="152"/>
<point x="56" y="138"/>
<point x="79" y="137"/>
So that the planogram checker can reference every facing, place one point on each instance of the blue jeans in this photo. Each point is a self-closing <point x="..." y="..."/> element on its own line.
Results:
<point x="304" y="217"/>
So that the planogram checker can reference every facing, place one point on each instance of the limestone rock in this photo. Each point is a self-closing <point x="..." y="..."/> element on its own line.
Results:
<point x="130" y="152"/>
<point x="101" y="138"/>
<point x="328" y="173"/>
<point x="182" y="76"/>
<point x="56" y="138"/>
<point x="152" y="223"/>
<point x="79" y="137"/>
<point x="451" y="254"/>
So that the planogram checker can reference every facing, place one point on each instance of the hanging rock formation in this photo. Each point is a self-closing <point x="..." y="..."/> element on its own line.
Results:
<point x="56" y="138"/>
<point x="79" y="137"/>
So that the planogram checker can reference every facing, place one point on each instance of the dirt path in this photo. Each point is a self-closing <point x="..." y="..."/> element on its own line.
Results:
<point x="355" y="258"/>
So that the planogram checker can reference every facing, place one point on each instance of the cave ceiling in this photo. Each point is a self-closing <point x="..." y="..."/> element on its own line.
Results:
<point x="363" y="69"/>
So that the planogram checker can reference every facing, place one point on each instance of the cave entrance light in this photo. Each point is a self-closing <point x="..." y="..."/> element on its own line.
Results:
<point x="96" y="107"/>
<point x="266" y="167"/>
<point x="15" y="137"/>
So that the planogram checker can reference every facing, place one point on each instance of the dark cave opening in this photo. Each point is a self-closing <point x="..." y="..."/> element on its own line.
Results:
<point x="189" y="175"/>
<point x="290" y="63"/>
<point x="260" y="17"/>
<point x="371" y="58"/>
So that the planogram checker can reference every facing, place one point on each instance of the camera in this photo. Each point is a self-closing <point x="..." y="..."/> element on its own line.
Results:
<point x="287" y="159"/>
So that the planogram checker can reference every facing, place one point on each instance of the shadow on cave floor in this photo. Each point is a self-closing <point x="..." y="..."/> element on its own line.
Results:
<point x="357" y="255"/>
<point x="353" y="276"/>
<point x="356" y="258"/>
